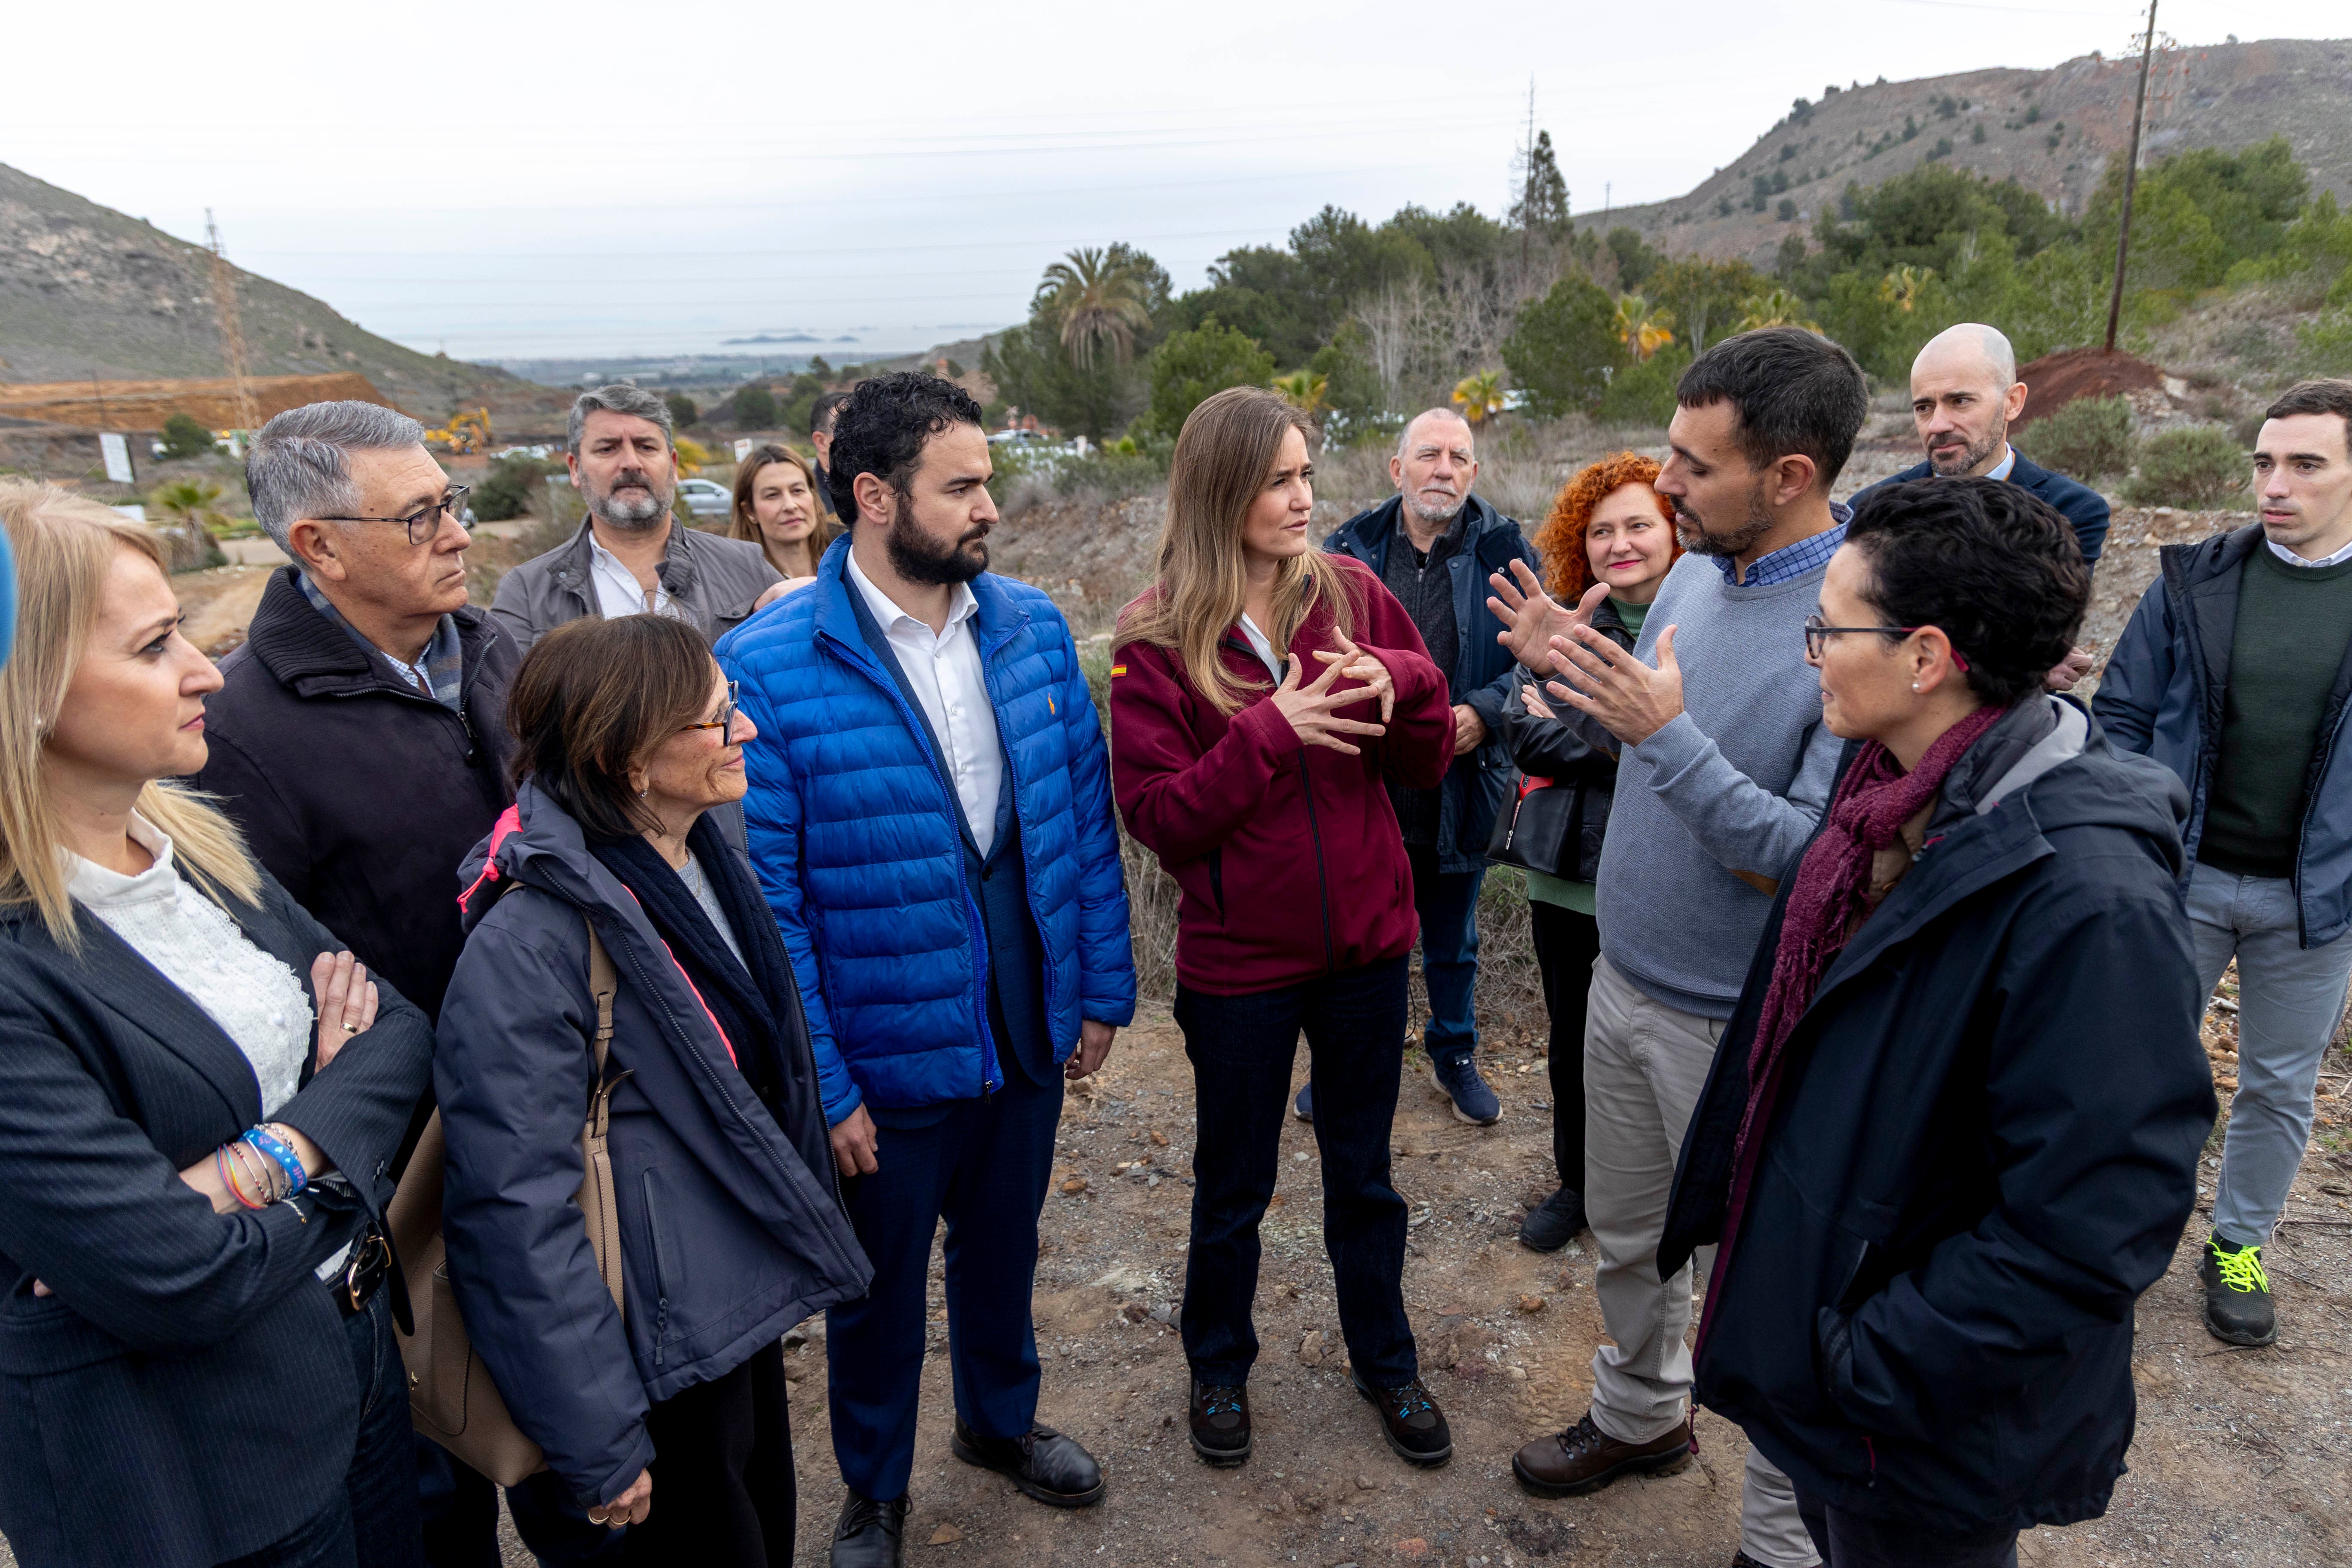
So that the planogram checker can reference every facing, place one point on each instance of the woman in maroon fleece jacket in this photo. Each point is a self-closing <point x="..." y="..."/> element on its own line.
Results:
<point x="1261" y="693"/>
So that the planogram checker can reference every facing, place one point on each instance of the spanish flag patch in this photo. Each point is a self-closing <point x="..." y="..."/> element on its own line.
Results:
<point x="1118" y="669"/>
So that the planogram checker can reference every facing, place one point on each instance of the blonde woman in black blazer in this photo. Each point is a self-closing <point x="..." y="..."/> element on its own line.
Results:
<point x="196" y="1365"/>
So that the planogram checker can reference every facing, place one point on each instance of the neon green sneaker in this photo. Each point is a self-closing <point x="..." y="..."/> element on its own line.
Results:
<point x="2237" y="1294"/>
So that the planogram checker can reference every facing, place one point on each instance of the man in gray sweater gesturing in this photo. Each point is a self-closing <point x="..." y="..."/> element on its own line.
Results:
<point x="1724" y="768"/>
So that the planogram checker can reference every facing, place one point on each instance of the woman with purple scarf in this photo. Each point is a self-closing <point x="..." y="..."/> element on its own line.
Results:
<point x="1951" y="1133"/>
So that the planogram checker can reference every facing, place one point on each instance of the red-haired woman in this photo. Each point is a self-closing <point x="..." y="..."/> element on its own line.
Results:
<point x="1607" y="528"/>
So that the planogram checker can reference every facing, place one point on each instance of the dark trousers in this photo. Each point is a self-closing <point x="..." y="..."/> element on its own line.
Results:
<point x="324" y="1542"/>
<point x="460" y="1505"/>
<point x="382" y="1482"/>
<point x="723" y="1484"/>
<point x="1566" y="943"/>
<point x="1240" y="1048"/>
<point x="981" y="1165"/>
<point x="1850" y="1540"/>
<point x="1447" y="903"/>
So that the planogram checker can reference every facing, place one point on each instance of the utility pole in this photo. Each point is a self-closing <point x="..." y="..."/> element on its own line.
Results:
<point x="2131" y="179"/>
<point x="1527" y="184"/>
<point x="232" y="332"/>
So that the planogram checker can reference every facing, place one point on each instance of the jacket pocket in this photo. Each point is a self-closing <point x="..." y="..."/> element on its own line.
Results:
<point x="1217" y="881"/>
<point x="650" y="1183"/>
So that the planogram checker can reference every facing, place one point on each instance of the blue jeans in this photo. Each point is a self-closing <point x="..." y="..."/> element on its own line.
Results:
<point x="1447" y="903"/>
<point x="2290" y="999"/>
<point x="1240" y="1048"/>
<point x="385" y="1525"/>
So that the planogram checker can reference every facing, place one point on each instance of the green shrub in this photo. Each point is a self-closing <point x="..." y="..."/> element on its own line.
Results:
<point x="1565" y="348"/>
<point x="183" y="437"/>
<point x="2199" y="467"/>
<point x="682" y="411"/>
<point x="1189" y="367"/>
<point x="2089" y="439"/>
<point x="507" y="489"/>
<point x="1644" y="393"/>
<point x="755" y="407"/>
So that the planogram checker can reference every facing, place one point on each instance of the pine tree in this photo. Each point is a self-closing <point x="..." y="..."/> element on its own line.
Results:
<point x="1543" y="193"/>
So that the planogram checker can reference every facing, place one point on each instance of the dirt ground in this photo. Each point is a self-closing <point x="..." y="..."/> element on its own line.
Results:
<point x="2242" y="1457"/>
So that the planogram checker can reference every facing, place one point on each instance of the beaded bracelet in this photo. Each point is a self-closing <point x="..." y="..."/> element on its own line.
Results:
<point x="264" y="1141"/>
<point x="229" y="1178"/>
<point x="263" y="1174"/>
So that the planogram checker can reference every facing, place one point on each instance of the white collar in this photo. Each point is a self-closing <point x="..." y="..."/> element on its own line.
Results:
<point x="2292" y="559"/>
<point x="97" y="887"/>
<point x="2000" y="470"/>
<point x="962" y="605"/>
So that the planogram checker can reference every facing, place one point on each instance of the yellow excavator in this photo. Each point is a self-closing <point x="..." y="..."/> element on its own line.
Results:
<point x="468" y="432"/>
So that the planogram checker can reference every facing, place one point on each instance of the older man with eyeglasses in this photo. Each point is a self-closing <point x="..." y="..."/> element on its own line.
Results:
<point x="360" y="740"/>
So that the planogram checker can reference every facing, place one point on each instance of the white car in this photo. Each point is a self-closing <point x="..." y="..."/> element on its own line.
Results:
<point x="707" y="498"/>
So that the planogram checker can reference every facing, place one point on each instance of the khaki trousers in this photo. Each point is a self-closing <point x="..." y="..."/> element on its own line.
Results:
<point x="1644" y="1065"/>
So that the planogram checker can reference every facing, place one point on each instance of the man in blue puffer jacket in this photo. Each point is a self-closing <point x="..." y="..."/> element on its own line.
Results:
<point x="930" y="816"/>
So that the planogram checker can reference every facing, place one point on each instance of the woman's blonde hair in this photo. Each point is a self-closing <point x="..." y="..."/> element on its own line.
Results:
<point x="1223" y="455"/>
<point x="65" y="550"/>
<point x="741" y="524"/>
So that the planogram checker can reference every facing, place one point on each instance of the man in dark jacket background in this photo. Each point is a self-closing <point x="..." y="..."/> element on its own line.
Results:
<point x="2253" y="629"/>
<point x="360" y="742"/>
<point x="1964" y="394"/>
<point x="1435" y="545"/>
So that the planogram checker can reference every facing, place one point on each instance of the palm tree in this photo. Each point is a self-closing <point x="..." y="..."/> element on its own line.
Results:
<point x="1643" y="328"/>
<point x="1306" y="389"/>
<point x="1093" y="300"/>
<point x="1480" y="396"/>
<point x="1775" y="308"/>
<point x="1903" y="287"/>
<point x="191" y="510"/>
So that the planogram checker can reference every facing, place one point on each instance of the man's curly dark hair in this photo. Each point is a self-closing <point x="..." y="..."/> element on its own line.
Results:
<point x="882" y="429"/>
<point x="1994" y="567"/>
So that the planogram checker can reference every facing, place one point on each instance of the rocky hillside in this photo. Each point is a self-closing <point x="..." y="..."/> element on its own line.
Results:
<point x="89" y="292"/>
<point x="2052" y="131"/>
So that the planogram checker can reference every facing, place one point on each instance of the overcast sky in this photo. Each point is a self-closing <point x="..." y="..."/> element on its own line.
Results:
<point x="501" y="179"/>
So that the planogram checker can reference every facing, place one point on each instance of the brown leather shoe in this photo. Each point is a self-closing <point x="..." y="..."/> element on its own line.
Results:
<point x="1584" y="1458"/>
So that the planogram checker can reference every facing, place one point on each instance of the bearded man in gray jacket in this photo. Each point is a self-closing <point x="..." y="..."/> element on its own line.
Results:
<point x="1724" y="768"/>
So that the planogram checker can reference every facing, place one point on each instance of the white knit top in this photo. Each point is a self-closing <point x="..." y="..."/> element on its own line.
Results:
<point x="259" y="1002"/>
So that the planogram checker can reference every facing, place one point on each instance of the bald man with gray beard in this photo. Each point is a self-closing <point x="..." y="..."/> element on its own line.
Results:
<point x="1965" y="395"/>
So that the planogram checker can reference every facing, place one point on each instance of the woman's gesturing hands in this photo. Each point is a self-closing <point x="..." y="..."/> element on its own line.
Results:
<point x="347" y="1001"/>
<point x="1310" y="708"/>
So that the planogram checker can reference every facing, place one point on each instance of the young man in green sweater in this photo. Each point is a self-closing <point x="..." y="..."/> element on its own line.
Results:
<point x="2256" y="626"/>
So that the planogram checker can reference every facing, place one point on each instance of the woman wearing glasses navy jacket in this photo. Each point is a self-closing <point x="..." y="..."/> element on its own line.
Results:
<point x="663" y="1412"/>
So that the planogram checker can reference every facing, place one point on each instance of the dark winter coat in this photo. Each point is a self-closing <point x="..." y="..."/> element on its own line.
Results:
<point x="732" y="1229"/>
<point x="1984" y="1148"/>
<point x="1560" y="823"/>
<point x="186" y="1397"/>
<point x="2081" y="505"/>
<point x="2162" y="695"/>
<point x="359" y="794"/>
<point x="1477" y="783"/>
<point x="1288" y="855"/>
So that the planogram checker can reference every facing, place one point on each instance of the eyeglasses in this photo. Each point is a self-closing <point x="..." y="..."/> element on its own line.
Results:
<point x="426" y="521"/>
<point x="725" y="722"/>
<point x="1816" y="633"/>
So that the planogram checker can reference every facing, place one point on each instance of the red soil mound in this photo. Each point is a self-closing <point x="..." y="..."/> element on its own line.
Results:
<point x="2056" y="380"/>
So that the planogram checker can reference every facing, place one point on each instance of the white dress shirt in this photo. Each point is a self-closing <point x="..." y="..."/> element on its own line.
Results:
<point x="2000" y="470"/>
<point x="2292" y="559"/>
<point x="944" y="670"/>
<point x="618" y="592"/>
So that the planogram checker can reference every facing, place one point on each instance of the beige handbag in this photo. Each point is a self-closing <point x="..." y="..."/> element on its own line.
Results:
<point x="451" y="1398"/>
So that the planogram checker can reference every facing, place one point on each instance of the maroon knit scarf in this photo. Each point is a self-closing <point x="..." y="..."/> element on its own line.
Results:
<point x="1873" y="800"/>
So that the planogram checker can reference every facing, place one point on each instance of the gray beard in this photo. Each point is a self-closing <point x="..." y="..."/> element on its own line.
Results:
<point x="1433" y="517"/>
<point x="1969" y="456"/>
<point x="632" y="515"/>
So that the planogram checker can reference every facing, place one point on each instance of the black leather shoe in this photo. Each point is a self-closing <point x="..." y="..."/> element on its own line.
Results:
<point x="1221" y="1423"/>
<point x="870" y="1535"/>
<point x="1412" y="1423"/>
<point x="1553" y="1223"/>
<point x="1043" y="1464"/>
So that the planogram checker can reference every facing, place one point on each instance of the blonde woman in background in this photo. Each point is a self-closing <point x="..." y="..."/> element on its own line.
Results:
<point x="779" y="508"/>
<point x="195" y="1358"/>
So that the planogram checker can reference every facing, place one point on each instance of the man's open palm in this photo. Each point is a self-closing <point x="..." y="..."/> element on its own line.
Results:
<point x="1532" y="617"/>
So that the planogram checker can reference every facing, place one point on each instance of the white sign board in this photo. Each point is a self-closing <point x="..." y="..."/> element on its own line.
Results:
<point x="134" y="511"/>
<point x="742" y="447"/>
<point x="118" y="456"/>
